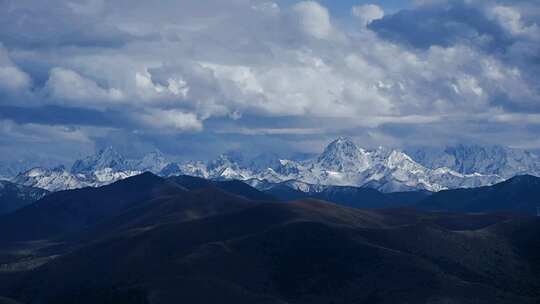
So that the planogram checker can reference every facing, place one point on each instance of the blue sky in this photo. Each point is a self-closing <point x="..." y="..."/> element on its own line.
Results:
<point x="198" y="78"/>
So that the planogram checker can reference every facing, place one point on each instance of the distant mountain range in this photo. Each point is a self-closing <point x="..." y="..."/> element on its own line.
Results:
<point x="497" y="160"/>
<point x="517" y="195"/>
<point x="342" y="163"/>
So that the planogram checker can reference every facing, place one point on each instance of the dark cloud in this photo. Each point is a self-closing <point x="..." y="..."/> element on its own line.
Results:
<point x="32" y="24"/>
<point x="55" y="115"/>
<point x="444" y="25"/>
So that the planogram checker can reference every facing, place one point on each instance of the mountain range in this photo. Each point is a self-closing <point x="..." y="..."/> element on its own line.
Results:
<point x="470" y="159"/>
<point x="342" y="163"/>
<point x="153" y="240"/>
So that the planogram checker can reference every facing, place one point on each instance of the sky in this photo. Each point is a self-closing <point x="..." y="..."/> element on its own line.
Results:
<point x="198" y="78"/>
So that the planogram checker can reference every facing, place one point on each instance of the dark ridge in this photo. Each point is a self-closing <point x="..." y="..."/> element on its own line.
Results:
<point x="520" y="194"/>
<point x="153" y="240"/>
<point x="306" y="251"/>
<point x="351" y="196"/>
<point x="73" y="210"/>
<point x="191" y="182"/>
<point x="232" y="186"/>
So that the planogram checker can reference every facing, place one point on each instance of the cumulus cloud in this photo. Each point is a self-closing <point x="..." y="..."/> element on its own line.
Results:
<point x="367" y="13"/>
<point x="65" y="84"/>
<point x="279" y="70"/>
<point x="12" y="78"/>
<point x="173" y="120"/>
<point x="313" y="19"/>
<point x="497" y="34"/>
<point x="510" y="19"/>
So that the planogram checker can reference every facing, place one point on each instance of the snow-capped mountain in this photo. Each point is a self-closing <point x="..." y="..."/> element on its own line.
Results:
<point x="229" y="167"/>
<point x="10" y="169"/>
<point x="106" y="158"/>
<point x="152" y="162"/>
<point x="60" y="179"/>
<point x="342" y="155"/>
<point x="192" y="168"/>
<point x="468" y="159"/>
<point x="105" y="167"/>
<point x="342" y="163"/>
<point x="51" y="179"/>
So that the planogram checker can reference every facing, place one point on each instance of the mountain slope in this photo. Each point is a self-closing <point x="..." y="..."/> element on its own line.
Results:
<point x="179" y="207"/>
<point x="231" y="186"/>
<point x="69" y="211"/>
<point x="302" y="252"/>
<point x="519" y="194"/>
<point x="346" y="195"/>
<point x="13" y="196"/>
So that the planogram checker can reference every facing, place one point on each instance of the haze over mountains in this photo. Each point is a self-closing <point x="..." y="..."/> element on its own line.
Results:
<point x="342" y="163"/>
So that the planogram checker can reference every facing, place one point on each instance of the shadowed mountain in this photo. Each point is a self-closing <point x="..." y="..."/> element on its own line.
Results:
<point x="520" y="194"/>
<point x="351" y="196"/>
<point x="158" y="241"/>
<point x="192" y="205"/>
<point x="137" y="201"/>
<point x="285" y="193"/>
<point x="8" y="301"/>
<point x="301" y="252"/>
<point x="73" y="210"/>
<point x="13" y="196"/>
<point x="232" y="186"/>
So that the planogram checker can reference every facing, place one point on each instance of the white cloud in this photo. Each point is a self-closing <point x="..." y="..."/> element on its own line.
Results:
<point x="268" y="69"/>
<point x="313" y="19"/>
<point x="174" y="120"/>
<point x="175" y="86"/>
<point x="246" y="59"/>
<point x="511" y="20"/>
<point x="65" y="84"/>
<point x="12" y="78"/>
<point x="367" y="13"/>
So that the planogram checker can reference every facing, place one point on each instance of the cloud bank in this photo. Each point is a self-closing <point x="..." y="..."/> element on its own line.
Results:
<point x="292" y="74"/>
